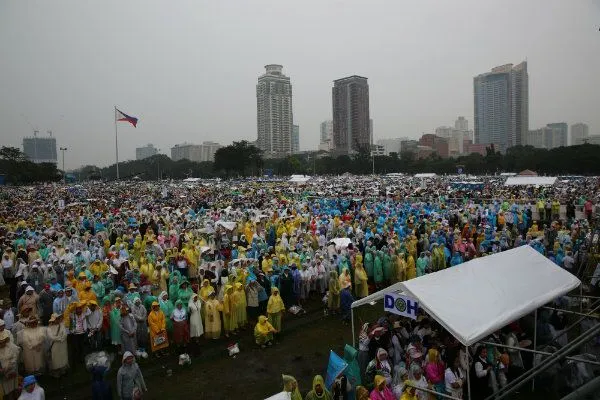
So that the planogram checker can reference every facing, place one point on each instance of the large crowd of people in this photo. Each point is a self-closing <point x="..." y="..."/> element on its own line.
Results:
<point x="142" y="269"/>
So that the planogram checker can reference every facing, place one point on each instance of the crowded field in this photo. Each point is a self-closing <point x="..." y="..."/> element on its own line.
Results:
<point x="107" y="277"/>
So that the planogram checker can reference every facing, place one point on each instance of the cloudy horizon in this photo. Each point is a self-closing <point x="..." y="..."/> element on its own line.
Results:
<point x="189" y="70"/>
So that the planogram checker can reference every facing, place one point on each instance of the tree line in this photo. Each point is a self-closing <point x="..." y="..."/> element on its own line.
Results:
<point x="242" y="159"/>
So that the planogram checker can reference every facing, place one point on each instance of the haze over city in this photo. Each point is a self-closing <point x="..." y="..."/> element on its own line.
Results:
<point x="189" y="71"/>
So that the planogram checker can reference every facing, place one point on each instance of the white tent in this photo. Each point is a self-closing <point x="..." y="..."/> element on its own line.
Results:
<point x="530" y="181"/>
<point x="299" y="178"/>
<point x="479" y="297"/>
<point x="425" y="175"/>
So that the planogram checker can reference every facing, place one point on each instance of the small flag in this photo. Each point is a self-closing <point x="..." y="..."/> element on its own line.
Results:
<point x="336" y="366"/>
<point x="121" y="116"/>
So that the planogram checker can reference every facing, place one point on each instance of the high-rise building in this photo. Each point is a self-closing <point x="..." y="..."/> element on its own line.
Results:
<point x="501" y="99"/>
<point x="195" y="152"/>
<point x="548" y="137"/>
<point x="274" y="117"/>
<point x="40" y="149"/>
<point x="351" y="122"/>
<point x="560" y="134"/>
<point x="579" y="133"/>
<point x="461" y="124"/>
<point x="144" y="152"/>
<point x="295" y="139"/>
<point x="326" y="131"/>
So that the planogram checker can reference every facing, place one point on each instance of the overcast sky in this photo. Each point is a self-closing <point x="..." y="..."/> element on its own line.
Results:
<point x="188" y="69"/>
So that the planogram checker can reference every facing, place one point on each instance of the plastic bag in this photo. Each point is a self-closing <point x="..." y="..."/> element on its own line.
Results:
<point x="233" y="349"/>
<point x="98" y="359"/>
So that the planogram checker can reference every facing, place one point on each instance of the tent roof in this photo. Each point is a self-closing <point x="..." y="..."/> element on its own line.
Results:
<point x="530" y="181"/>
<point x="483" y="295"/>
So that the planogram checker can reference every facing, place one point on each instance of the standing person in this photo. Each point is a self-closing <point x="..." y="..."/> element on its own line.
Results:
<point x="454" y="379"/>
<point x="9" y="356"/>
<point x="290" y="385"/>
<point x="77" y="330"/>
<point x="381" y="391"/>
<point x="434" y="371"/>
<point x="128" y="328"/>
<point x="115" y="323"/>
<point x="181" y="331"/>
<point x="333" y="299"/>
<point x="252" y="297"/>
<point x="212" y="317"/>
<point x="167" y="307"/>
<point x="275" y="309"/>
<point x="480" y="370"/>
<point x="57" y="338"/>
<point x="29" y="300"/>
<point x="46" y="303"/>
<point x="229" y="321"/>
<point x="158" y="330"/>
<point x="94" y="323"/>
<point x="101" y="389"/>
<point x="31" y="390"/>
<point x="31" y="340"/>
<point x="195" y="310"/>
<point x="318" y="392"/>
<point x="130" y="381"/>
<point x="239" y="296"/>
<point x="141" y="333"/>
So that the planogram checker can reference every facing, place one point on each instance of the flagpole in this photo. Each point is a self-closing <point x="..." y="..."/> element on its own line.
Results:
<point x="116" y="143"/>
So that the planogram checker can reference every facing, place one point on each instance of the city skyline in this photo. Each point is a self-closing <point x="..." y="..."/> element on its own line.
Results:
<point x="420" y="75"/>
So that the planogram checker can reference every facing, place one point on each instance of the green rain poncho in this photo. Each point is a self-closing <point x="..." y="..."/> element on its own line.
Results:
<point x="421" y="265"/>
<point x="184" y="294"/>
<point x="174" y="287"/>
<point x="387" y="266"/>
<point x="325" y="394"/>
<point x="368" y="262"/>
<point x="290" y="385"/>
<point x="352" y="371"/>
<point x="378" y="268"/>
<point x="115" y="325"/>
<point x="166" y="307"/>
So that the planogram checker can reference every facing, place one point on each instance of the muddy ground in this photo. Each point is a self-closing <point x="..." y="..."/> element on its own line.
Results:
<point x="302" y="351"/>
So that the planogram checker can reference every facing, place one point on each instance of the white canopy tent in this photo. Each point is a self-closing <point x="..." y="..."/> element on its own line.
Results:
<point x="530" y="181"/>
<point x="481" y="296"/>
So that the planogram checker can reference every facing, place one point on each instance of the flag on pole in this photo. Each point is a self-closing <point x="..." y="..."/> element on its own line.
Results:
<point x="121" y="116"/>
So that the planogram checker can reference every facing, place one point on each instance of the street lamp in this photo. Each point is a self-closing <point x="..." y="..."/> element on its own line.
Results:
<point x="63" y="149"/>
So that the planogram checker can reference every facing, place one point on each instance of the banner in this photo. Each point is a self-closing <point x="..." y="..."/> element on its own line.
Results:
<point x="336" y="366"/>
<point x="400" y="305"/>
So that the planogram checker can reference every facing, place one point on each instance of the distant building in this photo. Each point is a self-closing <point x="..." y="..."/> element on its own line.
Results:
<point x="351" y="121"/>
<point x="378" y="150"/>
<point x="548" y="137"/>
<point x="461" y="124"/>
<point x="501" y="100"/>
<point x="479" y="148"/>
<point x="144" y="152"/>
<point x="295" y="139"/>
<point x="40" y="149"/>
<point x="438" y="144"/>
<point x="409" y="146"/>
<point x="326" y="131"/>
<point x="391" y="145"/>
<point x="195" y="152"/>
<point x="274" y="116"/>
<point x="579" y="133"/>
<point x="593" y="139"/>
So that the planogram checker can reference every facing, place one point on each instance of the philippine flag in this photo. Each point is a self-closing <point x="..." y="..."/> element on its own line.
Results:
<point x="121" y="116"/>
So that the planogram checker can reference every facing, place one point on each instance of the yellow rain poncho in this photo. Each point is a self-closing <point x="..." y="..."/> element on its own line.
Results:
<point x="318" y="386"/>
<point x="263" y="331"/>
<point x="275" y="307"/>
<point x="290" y="385"/>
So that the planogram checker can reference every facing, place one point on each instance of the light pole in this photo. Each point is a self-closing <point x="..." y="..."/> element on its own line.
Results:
<point x="63" y="149"/>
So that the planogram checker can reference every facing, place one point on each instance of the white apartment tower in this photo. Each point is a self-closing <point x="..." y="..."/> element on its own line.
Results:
<point x="274" y="119"/>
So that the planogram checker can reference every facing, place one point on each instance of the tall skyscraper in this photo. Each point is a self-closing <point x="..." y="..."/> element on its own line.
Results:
<point x="501" y="99"/>
<point x="274" y="112"/>
<point x="351" y="122"/>
<point x="40" y="149"/>
<point x="295" y="139"/>
<point x="579" y="133"/>
<point x="326" y="131"/>
<point x="560" y="134"/>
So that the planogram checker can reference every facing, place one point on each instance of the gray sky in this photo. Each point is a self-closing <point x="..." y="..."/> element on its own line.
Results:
<point x="188" y="69"/>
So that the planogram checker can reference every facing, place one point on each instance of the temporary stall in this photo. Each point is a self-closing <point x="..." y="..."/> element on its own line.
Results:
<point x="530" y="181"/>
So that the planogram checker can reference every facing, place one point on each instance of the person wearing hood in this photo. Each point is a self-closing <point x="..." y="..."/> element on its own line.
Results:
<point x="130" y="381"/>
<point x="333" y="299"/>
<point x="361" y="285"/>
<point x="275" y="309"/>
<point x="181" y="330"/>
<point x="57" y="338"/>
<point x="290" y="385"/>
<point x="185" y="293"/>
<point x="46" y="304"/>
<point x="158" y="330"/>
<point x="381" y="366"/>
<point x="36" y="277"/>
<point x="31" y="389"/>
<point x="128" y="328"/>
<point x="141" y="316"/>
<point x="318" y="392"/>
<point x="9" y="356"/>
<point x="29" y="300"/>
<point x="167" y="307"/>
<point x="240" y="305"/>
<point x="195" y="315"/>
<point x="31" y="339"/>
<point x="286" y="285"/>
<point x="398" y="383"/>
<point x="378" y="269"/>
<point x="212" y="316"/>
<point x="263" y="332"/>
<point x="381" y="391"/>
<point x="94" y="322"/>
<point x="408" y="392"/>
<point x="101" y="389"/>
<point x="115" y="323"/>
<point x="229" y="318"/>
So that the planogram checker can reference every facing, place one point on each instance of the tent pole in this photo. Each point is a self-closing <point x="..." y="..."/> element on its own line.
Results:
<point x="353" y="332"/>
<point x="468" y="374"/>
<point x="534" y="348"/>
